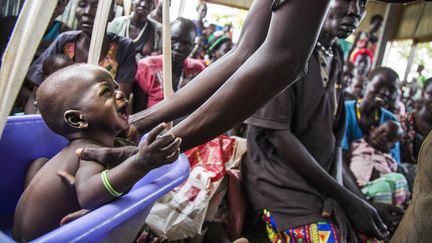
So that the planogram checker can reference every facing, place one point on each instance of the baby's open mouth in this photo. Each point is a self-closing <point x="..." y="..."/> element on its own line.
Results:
<point x="122" y="112"/>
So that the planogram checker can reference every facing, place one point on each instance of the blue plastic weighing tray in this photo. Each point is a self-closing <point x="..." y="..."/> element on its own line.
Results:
<point x="26" y="138"/>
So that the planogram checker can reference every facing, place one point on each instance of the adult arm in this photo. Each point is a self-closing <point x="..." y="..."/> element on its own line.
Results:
<point x="363" y="216"/>
<point x="279" y="61"/>
<point x="187" y="99"/>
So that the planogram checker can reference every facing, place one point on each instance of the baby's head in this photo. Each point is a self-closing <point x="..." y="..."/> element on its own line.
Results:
<point x="82" y="101"/>
<point x="54" y="63"/>
<point x="384" y="137"/>
<point x="357" y="86"/>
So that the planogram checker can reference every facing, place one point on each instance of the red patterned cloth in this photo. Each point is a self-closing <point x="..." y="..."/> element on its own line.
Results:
<point x="149" y="75"/>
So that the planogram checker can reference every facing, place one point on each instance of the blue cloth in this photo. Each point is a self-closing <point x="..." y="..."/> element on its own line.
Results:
<point x="53" y="32"/>
<point x="354" y="132"/>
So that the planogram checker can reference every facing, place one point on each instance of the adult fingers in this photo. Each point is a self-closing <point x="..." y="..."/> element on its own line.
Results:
<point x="95" y="154"/>
<point x="171" y="148"/>
<point x="162" y="141"/>
<point x="394" y="220"/>
<point x="72" y="216"/>
<point x="171" y="158"/>
<point x="379" y="228"/>
<point x="396" y="210"/>
<point x="155" y="132"/>
<point x="107" y="156"/>
<point x="67" y="178"/>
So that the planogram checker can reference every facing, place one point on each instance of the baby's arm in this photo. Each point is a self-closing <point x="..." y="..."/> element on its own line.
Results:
<point x="154" y="152"/>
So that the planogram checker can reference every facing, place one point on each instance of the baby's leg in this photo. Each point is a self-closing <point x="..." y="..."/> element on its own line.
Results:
<point x="35" y="166"/>
<point x="388" y="189"/>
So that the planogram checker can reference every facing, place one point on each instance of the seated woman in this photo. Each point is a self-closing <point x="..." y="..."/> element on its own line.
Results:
<point x="118" y="53"/>
<point x="363" y="114"/>
<point x="417" y="125"/>
<point x="144" y="33"/>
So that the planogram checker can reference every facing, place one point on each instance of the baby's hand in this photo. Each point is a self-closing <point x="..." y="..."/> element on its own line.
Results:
<point x="157" y="150"/>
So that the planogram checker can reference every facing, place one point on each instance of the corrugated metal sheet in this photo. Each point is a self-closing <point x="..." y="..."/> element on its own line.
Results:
<point x="373" y="8"/>
<point x="243" y="4"/>
<point x="415" y="22"/>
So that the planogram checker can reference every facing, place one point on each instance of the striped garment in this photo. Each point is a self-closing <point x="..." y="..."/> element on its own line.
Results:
<point x="389" y="189"/>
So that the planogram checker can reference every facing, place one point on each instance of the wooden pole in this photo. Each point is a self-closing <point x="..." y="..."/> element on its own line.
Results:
<point x="410" y="60"/>
<point x="167" y="64"/>
<point x="29" y="30"/>
<point x="99" y="29"/>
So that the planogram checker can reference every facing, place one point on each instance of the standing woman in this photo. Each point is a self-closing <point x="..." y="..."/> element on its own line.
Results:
<point x="143" y="32"/>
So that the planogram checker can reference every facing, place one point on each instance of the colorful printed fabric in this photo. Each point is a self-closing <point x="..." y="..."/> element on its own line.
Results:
<point x="321" y="232"/>
<point x="366" y="239"/>
<point x="389" y="189"/>
<point x="109" y="62"/>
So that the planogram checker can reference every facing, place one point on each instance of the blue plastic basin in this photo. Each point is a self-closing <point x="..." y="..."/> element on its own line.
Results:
<point x="26" y="138"/>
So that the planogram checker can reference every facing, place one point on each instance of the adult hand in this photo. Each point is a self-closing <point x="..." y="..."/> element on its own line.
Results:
<point x="366" y="220"/>
<point x="157" y="150"/>
<point x="67" y="178"/>
<point x="72" y="216"/>
<point x="110" y="157"/>
<point x="70" y="181"/>
<point x="391" y="215"/>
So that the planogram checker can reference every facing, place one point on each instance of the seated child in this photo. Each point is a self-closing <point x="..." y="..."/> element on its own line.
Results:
<point x="82" y="103"/>
<point x="50" y="65"/>
<point x="374" y="167"/>
<point x="54" y="63"/>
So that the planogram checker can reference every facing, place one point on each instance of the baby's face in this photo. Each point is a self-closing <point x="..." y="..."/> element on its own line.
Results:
<point x="357" y="86"/>
<point x="103" y="104"/>
<point x="384" y="137"/>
